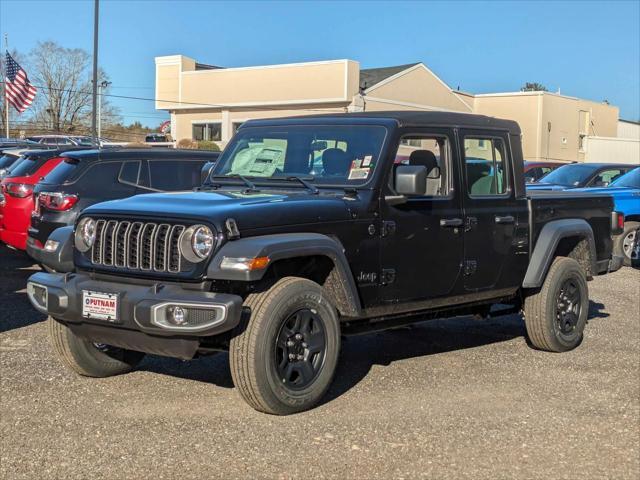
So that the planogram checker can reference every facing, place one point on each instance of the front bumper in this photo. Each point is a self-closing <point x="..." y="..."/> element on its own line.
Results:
<point x="141" y="313"/>
<point x="616" y="263"/>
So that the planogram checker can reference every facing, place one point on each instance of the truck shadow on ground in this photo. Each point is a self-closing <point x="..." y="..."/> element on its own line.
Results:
<point x="360" y="353"/>
<point x="15" y="309"/>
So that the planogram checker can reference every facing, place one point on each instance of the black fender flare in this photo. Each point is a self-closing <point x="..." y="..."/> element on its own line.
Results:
<point x="548" y="240"/>
<point x="60" y="259"/>
<point x="289" y="245"/>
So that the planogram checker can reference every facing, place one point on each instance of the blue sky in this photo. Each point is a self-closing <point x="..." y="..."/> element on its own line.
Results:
<point x="585" y="49"/>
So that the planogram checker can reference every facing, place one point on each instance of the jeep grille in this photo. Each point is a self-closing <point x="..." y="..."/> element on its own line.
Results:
<point x="136" y="245"/>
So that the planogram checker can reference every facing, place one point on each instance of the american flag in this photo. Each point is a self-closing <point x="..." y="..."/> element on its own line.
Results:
<point x="19" y="91"/>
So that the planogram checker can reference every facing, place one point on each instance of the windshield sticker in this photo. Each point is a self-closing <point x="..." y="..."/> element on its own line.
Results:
<point x="356" y="163"/>
<point x="359" y="173"/>
<point x="367" y="161"/>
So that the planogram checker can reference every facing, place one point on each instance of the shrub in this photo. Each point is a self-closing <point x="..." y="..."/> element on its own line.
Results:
<point x="187" y="143"/>
<point x="207" y="145"/>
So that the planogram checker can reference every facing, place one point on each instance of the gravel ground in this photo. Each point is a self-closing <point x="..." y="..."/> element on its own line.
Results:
<point x="446" y="399"/>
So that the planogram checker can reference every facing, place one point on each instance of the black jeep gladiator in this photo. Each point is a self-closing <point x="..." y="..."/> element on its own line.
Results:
<point x="308" y="228"/>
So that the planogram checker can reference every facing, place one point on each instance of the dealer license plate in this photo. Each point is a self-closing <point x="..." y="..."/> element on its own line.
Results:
<point x="100" y="306"/>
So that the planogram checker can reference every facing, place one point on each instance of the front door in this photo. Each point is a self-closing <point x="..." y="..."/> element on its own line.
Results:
<point x="492" y="212"/>
<point x="422" y="239"/>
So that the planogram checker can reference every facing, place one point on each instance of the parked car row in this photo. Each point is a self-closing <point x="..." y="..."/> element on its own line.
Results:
<point x="620" y="181"/>
<point x="46" y="189"/>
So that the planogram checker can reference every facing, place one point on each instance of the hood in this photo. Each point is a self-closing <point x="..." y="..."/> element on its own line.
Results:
<point x="625" y="199"/>
<point x="613" y="191"/>
<point x="546" y="186"/>
<point x="250" y="210"/>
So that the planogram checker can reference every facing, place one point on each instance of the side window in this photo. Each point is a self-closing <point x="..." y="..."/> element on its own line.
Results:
<point x="544" y="171"/>
<point x="174" y="175"/>
<point x="100" y="176"/>
<point x="485" y="165"/>
<point x="129" y="173"/>
<point x="605" y="177"/>
<point x="430" y="151"/>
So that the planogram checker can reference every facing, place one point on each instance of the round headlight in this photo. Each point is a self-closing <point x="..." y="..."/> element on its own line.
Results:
<point x="85" y="234"/>
<point x="197" y="243"/>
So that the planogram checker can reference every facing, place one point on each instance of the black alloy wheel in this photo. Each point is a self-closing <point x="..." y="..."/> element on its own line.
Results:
<point x="568" y="307"/>
<point x="300" y="349"/>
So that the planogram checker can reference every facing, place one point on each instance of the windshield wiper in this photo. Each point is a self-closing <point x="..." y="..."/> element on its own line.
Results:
<point x="247" y="182"/>
<point x="312" y="188"/>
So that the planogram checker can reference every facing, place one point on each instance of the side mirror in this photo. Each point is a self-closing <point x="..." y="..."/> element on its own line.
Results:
<point x="412" y="179"/>
<point x="529" y="179"/>
<point x="206" y="170"/>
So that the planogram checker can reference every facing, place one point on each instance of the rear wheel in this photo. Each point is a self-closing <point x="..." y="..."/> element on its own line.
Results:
<point x="88" y="358"/>
<point x="556" y="315"/>
<point x="627" y="243"/>
<point x="285" y="353"/>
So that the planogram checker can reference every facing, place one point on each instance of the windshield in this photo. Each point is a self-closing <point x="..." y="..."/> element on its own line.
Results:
<point x="573" y="175"/>
<point x="28" y="166"/>
<point x="84" y="141"/>
<point x="330" y="155"/>
<point x="630" y="180"/>
<point x="6" y="160"/>
<point x="61" y="173"/>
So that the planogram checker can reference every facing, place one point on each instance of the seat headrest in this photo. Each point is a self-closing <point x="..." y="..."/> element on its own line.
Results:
<point x="335" y="162"/>
<point x="423" y="157"/>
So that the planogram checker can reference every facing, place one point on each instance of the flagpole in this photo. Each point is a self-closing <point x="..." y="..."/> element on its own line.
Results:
<point x="94" y="93"/>
<point x="6" y="97"/>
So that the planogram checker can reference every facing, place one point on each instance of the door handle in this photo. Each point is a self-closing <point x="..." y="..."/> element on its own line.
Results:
<point x="505" y="219"/>
<point x="451" y="222"/>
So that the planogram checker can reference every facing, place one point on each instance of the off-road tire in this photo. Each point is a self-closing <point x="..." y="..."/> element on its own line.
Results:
<point x="629" y="228"/>
<point x="541" y="308"/>
<point x="86" y="358"/>
<point x="253" y="350"/>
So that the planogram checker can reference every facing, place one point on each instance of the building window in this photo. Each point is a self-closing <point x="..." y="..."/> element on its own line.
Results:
<point x="207" y="131"/>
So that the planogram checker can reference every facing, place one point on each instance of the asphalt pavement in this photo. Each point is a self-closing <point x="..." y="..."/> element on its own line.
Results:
<point x="459" y="398"/>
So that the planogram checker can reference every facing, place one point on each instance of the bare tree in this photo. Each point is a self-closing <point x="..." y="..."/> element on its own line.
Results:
<point x="63" y="78"/>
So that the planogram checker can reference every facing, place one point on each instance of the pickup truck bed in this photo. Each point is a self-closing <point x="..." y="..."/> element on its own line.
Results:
<point x="545" y="207"/>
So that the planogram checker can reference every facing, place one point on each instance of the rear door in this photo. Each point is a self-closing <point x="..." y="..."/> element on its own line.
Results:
<point x="491" y="210"/>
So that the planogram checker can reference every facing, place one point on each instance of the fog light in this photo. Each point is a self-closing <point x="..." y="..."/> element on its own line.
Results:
<point x="38" y="295"/>
<point x="176" y="315"/>
<point x="51" y="245"/>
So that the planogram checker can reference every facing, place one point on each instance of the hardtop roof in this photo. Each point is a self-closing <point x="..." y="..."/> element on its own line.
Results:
<point x="404" y="118"/>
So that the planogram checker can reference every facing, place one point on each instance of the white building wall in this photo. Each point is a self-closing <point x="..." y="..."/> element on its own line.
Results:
<point x="628" y="130"/>
<point x="612" y="150"/>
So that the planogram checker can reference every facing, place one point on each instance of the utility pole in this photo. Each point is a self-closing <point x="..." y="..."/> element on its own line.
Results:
<point x="103" y="84"/>
<point x="94" y="94"/>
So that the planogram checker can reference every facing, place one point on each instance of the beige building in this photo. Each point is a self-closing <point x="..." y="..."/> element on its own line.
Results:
<point x="209" y="103"/>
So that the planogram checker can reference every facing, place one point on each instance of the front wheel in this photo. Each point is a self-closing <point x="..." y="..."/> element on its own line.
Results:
<point x="285" y="352"/>
<point x="88" y="358"/>
<point x="556" y="315"/>
<point x="627" y="243"/>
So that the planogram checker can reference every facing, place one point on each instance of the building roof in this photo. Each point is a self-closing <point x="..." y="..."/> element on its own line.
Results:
<point x="628" y="121"/>
<point x="372" y="76"/>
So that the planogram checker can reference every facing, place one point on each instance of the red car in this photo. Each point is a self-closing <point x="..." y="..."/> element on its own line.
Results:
<point x="534" y="170"/>
<point x="16" y="195"/>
